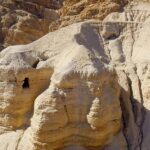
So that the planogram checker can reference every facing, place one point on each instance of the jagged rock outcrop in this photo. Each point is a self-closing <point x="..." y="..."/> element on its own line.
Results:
<point x="89" y="90"/>
<point x="24" y="21"/>
<point x="74" y="11"/>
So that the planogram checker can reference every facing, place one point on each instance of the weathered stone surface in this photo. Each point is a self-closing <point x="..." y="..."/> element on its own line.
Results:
<point x="23" y="22"/>
<point x="87" y="91"/>
<point x="74" y="11"/>
<point x="60" y="102"/>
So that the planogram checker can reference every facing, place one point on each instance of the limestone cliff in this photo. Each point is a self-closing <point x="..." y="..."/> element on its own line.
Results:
<point x="78" y="10"/>
<point x="83" y="87"/>
<point x="24" y="21"/>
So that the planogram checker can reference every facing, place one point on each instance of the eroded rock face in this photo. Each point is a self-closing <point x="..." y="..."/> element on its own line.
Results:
<point x="24" y="21"/>
<point x="74" y="11"/>
<point x="60" y="105"/>
<point x="89" y="90"/>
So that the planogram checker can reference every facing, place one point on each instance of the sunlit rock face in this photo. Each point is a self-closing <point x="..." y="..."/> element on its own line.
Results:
<point x="83" y="87"/>
<point x="60" y="102"/>
<point x="24" y="21"/>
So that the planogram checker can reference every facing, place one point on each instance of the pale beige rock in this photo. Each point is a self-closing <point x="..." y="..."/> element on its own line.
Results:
<point x="89" y="90"/>
<point x="74" y="106"/>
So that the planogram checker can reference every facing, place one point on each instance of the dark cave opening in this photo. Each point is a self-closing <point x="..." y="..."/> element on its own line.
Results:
<point x="25" y="83"/>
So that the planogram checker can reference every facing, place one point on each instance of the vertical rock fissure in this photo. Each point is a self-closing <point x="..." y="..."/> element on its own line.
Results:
<point x="131" y="97"/>
<point x="124" y="119"/>
<point x="136" y="111"/>
<point x="133" y="41"/>
<point x="65" y="107"/>
<point x="143" y="112"/>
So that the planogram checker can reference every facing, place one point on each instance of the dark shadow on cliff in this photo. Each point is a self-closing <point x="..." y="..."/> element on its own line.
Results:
<point x="133" y="112"/>
<point x="136" y="121"/>
<point x="90" y="38"/>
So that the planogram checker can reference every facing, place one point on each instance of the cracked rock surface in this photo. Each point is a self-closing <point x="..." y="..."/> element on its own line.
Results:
<point x="83" y="87"/>
<point x="24" y="21"/>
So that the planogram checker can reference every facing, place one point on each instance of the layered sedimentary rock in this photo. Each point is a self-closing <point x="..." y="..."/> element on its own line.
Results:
<point x="82" y="87"/>
<point x="24" y="21"/>
<point x="60" y="102"/>
<point x="74" y="11"/>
